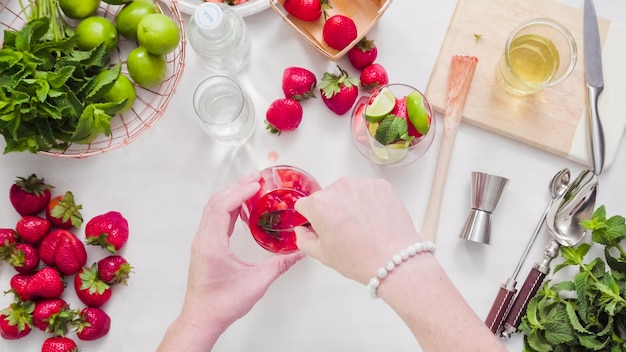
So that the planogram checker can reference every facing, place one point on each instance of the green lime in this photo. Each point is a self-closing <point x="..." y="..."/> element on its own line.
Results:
<point x="95" y="30"/>
<point x="381" y="106"/>
<point x="417" y="112"/>
<point x="79" y="9"/>
<point x="130" y="15"/>
<point x="389" y="154"/>
<point x="158" y="33"/>
<point x="117" y="2"/>
<point x="147" y="70"/>
<point x="122" y="89"/>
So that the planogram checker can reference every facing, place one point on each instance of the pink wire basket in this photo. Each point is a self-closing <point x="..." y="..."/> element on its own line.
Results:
<point x="150" y="104"/>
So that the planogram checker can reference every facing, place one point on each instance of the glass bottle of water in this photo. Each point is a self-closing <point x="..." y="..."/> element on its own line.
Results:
<point x="218" y="34"/>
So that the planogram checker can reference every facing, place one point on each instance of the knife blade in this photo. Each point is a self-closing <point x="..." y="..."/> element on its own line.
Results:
<point x="595" y="84"/>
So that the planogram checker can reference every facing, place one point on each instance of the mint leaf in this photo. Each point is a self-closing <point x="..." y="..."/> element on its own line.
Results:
<point x="538" y="342"/>
<point x="391" y="129"/>
<point x="592" y="343"/>
<point x="573" y="318"/>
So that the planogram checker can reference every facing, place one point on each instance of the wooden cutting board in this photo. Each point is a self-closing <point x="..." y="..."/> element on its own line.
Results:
<point x="554" y="119"/>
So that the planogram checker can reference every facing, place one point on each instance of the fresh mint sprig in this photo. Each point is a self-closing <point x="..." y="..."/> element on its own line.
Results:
<point x="392" y="129"/>
<point x="586" y="313"/>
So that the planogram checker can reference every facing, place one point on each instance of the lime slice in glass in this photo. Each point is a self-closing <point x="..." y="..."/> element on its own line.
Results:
<point x="391" y="153"/>
<point x="380" y="106"/>
<point x="417" y="112"/>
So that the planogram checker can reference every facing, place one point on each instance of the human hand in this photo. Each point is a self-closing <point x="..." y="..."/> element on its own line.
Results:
<point x="356" y="226"/>
<point x="221" y="286"/>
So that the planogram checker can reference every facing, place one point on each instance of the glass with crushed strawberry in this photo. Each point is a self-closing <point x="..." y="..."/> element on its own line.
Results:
<point x="270" y="213"/>
<point x="394" y="125"/>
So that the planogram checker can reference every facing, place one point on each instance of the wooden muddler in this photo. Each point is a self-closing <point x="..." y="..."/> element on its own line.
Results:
<point x="461" y="74"/>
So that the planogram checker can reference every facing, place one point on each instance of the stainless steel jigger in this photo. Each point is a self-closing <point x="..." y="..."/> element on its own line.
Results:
<point x="485" y="195"/>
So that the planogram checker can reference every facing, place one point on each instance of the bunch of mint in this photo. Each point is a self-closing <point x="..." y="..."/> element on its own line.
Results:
<point x="588" y="312"/>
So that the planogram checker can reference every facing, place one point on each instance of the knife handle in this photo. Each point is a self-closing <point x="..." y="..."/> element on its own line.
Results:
<point x="529" y="290"/>
<point x="500" y="308"/>
<point x="596" y="134"/>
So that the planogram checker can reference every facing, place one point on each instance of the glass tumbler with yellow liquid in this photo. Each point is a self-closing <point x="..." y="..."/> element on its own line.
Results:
<point x="539" y="53"/>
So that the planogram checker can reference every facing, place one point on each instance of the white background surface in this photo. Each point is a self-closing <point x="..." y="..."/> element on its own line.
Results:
<point x="161" y="182"/>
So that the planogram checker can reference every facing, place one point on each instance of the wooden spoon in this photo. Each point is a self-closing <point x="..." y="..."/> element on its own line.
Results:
<point x="461" y="73"/>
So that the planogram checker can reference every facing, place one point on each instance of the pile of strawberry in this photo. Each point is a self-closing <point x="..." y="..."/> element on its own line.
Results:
<point x="45" y="254"/>
<point x="339" y="91"/>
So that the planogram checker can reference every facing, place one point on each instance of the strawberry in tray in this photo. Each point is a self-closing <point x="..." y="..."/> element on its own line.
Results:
<point x="306" y="10"/>
<point x="339" y="31"/>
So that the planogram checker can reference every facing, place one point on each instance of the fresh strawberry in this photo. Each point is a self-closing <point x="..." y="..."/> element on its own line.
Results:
<point x="109" y="230"/>
<point x="59" y="344"/>
<point x="63" y="212"/>
<point x="363" y="54"/>
<point x="306" y="10"/>
<point x="16" y="320"/>
<point x="53" y="316"/>
<point x="8" y="239"/>
<point x="32" y="228"/>
<point x="339" y="31"/>
<point x="64" y="251"/>
<point x="283" y="114"/>
<point x="374" y="76"/>
<point x="339" y="92"/>
<point x="90" y="289"/>
<point x="298" y="83"/>
<point x="400" y="108"/>
<point x="24" y="258"/>
<point x="114" y="269"/>
<point x="30" y="195"/>
<point x="46" y="283"/>
<point x="94" y="324"/>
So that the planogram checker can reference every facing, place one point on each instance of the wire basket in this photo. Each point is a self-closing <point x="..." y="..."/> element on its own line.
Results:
<point x="150" y="103"/>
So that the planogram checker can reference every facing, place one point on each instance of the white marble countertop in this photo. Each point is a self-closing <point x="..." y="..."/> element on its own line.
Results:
<point x="161" y="182"/>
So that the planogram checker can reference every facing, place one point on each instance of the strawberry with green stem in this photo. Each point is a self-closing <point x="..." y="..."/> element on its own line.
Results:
<point x="24" y="258"/>
<point x="114" y="269"/>
<point x="306" y="10"/>
<point x="298" y="83"/>
<point x="16" y="320"/>
<point x="45" y="283"/>
<point x="30" y="195"/>
<point x="63" y="212"/>
<point x="282" y="115"/>
<point x="53" y="316"/>
<point x="90" y="289"/>
<point x="363" y="54"/>
<point x="109" y="230"/>
<point x="8" y="239"/>
<point x="339" y="91"/>
<point x="93" y="324"/>
<point x="374" y="76"/>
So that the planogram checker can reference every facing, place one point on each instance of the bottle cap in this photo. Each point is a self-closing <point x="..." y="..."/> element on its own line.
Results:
<point x="208" y="15"/>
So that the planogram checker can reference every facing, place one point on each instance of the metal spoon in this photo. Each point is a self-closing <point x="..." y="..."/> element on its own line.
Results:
<point x="502" y="303"/>
<point x="275" y="216"/>
<point x="575" y="205"/>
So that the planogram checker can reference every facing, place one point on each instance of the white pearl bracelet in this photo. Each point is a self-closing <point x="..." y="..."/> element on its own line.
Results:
<point x="395" y="261"/>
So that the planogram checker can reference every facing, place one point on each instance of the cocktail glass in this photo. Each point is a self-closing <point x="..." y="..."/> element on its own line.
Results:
<point x="270" y="213"/>
<point x="395" y="154"/>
